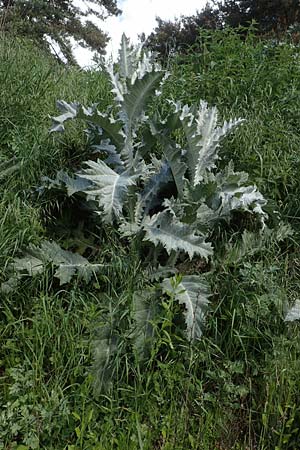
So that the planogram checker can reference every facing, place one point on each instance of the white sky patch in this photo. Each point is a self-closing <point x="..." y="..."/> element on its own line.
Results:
<point x="138" y="17"/>
<point x="55" y="48"/>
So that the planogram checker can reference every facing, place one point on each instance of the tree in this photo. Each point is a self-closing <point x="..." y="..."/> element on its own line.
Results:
<point x="271" y="15"/>
<point x="179" y="35"/>
<point x="59" y="21"/>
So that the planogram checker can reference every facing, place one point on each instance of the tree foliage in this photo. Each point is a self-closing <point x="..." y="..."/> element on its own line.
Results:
<point x="271" y="15"/>
<point x="59" y="20"/>
<point x="181" y="34"/>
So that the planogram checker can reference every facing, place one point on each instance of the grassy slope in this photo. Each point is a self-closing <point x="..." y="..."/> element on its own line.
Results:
<point x="261" y="84"/>
<point x="244" y="374"/>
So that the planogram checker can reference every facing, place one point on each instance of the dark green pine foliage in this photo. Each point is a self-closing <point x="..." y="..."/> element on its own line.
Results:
<point x="179" y="35"/>
<point x="60" y="20"/>
<point x="271" y="15"/>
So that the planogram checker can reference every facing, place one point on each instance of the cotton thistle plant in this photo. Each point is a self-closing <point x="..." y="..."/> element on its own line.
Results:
<point x="172" y="201"/>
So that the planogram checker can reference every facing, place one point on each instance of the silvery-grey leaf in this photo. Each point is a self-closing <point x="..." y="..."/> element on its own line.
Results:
<point x="36" y="259"/>
<point x="193" y="292"/>
<point x="109" y="188"/>
<point x="113" y="157"/>
<point x="8" y="167"/>
<point x="203" y="137"/>
<point x="111" y="128"/>
<point x="163" y="228"/>
<point x="105" y="348"/>
<point x="146" y="309"/>
<point x="149" y="196"/>
<point x="178" y="167"/>
<point x="136" y="100"/>
<point x="63" y="180"/>
<point x="69" y="111"/>
<point x="293" y="313"/>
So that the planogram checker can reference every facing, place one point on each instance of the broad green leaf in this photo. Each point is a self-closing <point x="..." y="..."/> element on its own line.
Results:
<point x="163" y="228"/>
<point x="193" y="292"/>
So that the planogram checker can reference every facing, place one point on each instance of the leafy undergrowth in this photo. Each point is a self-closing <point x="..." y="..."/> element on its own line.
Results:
<point x="235" y="388"/>
<point x="257" y="80"/>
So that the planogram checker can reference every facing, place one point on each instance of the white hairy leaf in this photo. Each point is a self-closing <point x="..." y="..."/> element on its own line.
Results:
<point x="37" y="258"/>
<point x="63" y="180"/>
<point x="127" y="58"/>
<point x="244" y="198"/>
<point x="193" y="292"/>
<point x="178" y="166"/>
<point x="293" y="313"/>
<point x="69" y="111"/>
<point x="226" y="192"/>
<point x="105" y="348"/>
<point x="110" y="128"/>
<point x="109" y="188"/>
<point x="203" y="138"/>
<point x="163" y="228"/>
<point x="136" y="100"/>
<point x="113" y="157"/>
<point x="149" y="197"/>
<point x="146" y="309"/>
<point x="8" y="167"/>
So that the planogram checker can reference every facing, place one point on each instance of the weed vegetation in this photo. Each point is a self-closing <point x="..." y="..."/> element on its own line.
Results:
<point x="109" y="358"/>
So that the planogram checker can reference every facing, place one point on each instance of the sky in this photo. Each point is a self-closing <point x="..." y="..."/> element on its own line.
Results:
<point x="138" y="16"/>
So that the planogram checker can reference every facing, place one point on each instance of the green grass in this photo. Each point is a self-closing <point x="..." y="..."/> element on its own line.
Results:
<point x="258" y="81"/>
<point x="33" y="83"/>
<point x="238" y="388"/>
